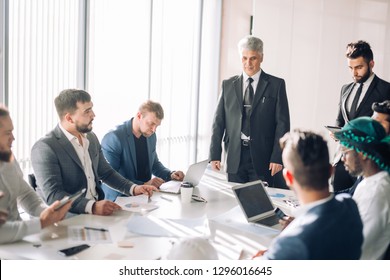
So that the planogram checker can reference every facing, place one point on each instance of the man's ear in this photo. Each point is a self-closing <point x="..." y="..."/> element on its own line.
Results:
<point x="362" y="156"/>
<point x="371" y="64"/>
<point x="68" y="118"/>
<point x="288" y="177"/>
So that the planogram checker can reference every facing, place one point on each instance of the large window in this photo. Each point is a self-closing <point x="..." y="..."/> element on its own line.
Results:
<point x="44" y="56"/>
<point x="123" y="53"/>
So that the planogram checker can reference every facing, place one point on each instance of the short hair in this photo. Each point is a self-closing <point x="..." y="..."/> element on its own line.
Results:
<point x="383" y="107"/>
<point x="3" y="112"/>
<point x="66" y="101"/>
<point x="307" y="154"/>
<point x="359" y="49"/>
<point x="152" y="107"/>
<point x="250" y="43"/>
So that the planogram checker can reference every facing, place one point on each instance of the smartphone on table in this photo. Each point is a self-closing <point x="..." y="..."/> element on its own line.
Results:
<point x="73" y="250"/>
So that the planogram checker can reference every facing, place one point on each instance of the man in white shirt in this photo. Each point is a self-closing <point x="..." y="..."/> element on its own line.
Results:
<point x="366" y="152"/>
<point x="15" y="193"/>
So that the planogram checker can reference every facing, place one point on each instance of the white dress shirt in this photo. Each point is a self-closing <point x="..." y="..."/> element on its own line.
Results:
<point x="372" y="196"/>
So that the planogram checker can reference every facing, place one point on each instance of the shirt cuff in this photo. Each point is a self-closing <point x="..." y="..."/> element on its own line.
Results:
<point x="33" y="226"/>
<point x="170" y="176"/>
<point x="132" y="189"/>
<point x="88" y="207"/>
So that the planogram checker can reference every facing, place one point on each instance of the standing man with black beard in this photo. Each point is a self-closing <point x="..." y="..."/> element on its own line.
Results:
<point x="356" y="99"/>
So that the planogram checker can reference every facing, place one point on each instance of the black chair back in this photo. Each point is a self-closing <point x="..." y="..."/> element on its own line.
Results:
<point x="32" y="181"/>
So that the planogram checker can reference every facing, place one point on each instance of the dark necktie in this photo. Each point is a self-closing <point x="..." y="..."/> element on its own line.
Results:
<point x="248" y="99"/>
<point x="352" y="112"/>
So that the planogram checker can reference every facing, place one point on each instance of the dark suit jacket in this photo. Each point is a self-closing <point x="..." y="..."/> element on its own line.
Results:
<point x="378" y="91"/>
<point x="332" y="230"/>
<point x="119" y="149"/>
<point x="59" y="172"/>
<point x="269" y="121"/>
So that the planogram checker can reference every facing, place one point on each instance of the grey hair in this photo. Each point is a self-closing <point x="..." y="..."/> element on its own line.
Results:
<point x="250" y="43"/>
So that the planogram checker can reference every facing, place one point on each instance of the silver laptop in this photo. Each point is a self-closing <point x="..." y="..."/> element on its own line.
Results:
<point x="193" y="176"/>
<point x="256" y="204"/>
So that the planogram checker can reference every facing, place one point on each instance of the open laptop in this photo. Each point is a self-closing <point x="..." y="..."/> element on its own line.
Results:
<point x="256" y="204"/>
<point x="193" y="176"/>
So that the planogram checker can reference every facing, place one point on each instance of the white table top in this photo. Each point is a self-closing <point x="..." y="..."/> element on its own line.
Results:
<point x="230" y="240"/>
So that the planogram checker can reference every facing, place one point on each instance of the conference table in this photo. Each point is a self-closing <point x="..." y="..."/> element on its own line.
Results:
<point x="148" y="234"/>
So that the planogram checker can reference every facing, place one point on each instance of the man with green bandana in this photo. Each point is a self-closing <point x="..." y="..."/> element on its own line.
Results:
<point x="366" y="152"/>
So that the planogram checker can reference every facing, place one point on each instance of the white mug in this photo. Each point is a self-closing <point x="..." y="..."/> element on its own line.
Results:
<point x="186" y="190"/>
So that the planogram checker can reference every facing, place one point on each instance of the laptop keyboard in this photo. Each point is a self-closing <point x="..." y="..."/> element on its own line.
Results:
<point x="269" y="221"/>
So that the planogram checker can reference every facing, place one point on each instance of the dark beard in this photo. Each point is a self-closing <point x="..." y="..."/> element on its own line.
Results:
<point x="5" y="156"/>
<point x="83" y="129"/>
<point x="365" y="77"/>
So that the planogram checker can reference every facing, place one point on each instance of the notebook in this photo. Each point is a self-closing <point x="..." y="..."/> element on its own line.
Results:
<point x="193" y="176"/>
<point x="256" y="204"/>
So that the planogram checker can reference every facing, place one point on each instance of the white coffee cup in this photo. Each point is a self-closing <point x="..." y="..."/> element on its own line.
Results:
<point x="186" y="190"/>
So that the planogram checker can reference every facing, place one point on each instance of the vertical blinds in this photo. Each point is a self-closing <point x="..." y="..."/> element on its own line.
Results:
<point x="43" y="60"/>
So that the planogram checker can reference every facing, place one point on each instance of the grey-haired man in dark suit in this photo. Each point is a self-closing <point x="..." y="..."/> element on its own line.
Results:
<point x="70" y="158"/>
<point x="251" y="128"/>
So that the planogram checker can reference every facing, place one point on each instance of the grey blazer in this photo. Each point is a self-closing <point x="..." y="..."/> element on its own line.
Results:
<point x="59" y="172"/>
<point x="269" y="121"/>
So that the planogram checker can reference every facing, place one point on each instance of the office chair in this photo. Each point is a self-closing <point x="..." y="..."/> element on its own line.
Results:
<point x="387" y="254"/>
<point x="32" y="181"/>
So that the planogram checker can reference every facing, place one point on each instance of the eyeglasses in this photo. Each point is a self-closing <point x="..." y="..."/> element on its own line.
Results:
<point x="345" y="152"/>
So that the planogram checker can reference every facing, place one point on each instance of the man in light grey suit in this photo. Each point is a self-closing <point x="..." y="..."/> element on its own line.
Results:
<point x="251" y="127"/>
<point x="70" y="158"/>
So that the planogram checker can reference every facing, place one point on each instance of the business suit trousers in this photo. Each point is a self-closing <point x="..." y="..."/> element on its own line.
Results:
<point x="246" y="173"/>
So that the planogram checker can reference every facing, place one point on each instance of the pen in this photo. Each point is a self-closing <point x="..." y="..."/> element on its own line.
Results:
<point x="166" y="198"/>
<point x="99" y="229"/>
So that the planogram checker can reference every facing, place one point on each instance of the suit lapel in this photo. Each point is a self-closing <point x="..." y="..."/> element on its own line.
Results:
<point x="237" y="84"/>
<point x="367" y="95"/>
<point x="67" y="146"/>
<point x="344" y="99"/>
<point x="130" y="138"/>
<point x="260" y="89"/>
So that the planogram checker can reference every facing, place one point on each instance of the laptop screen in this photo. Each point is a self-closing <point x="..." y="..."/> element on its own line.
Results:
<point x="253" y="199"/>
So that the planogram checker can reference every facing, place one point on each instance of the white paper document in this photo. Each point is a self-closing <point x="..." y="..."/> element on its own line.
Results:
<point x="77" y="234"/>
<point x="136" y="204"/>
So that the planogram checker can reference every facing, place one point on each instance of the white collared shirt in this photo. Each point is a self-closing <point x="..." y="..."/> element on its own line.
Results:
<point x="245" y="82"/>
<point x="372" y="196"/>
<point x="85" y="159"/>
<point x="366" y="85"/>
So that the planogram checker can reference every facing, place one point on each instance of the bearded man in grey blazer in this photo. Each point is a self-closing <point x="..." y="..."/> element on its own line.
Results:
<point x="70" y="158"/>
<point x="250" y="128"/>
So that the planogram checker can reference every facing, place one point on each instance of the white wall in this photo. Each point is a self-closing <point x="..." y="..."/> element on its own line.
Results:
<point x="304" y="43"/>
